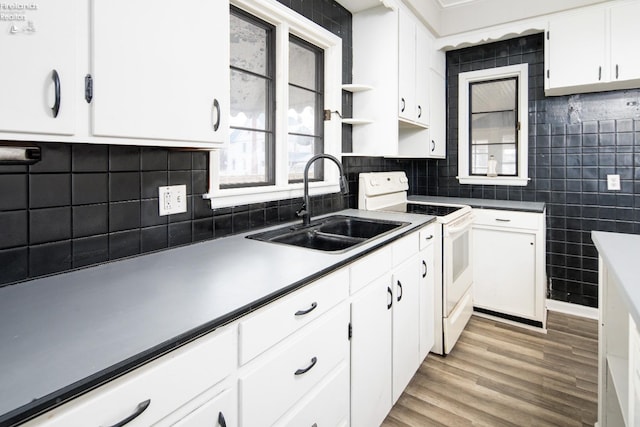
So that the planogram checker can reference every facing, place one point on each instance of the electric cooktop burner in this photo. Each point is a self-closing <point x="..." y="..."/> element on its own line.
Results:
<point x="435" y="210"/>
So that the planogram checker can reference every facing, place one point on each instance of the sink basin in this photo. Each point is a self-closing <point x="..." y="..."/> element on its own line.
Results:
<point x="331" y="234"/>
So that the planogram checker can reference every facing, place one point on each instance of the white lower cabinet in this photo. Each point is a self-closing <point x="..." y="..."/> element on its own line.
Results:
<point x="509" y="263"/>
<point x="386" y="329"/>
<point x="219" y="411"/>
<point x="274" y="382"/>
<point x="154" y="390"/>
<point x="371" y="349"/>
<point x="427" y="281"/>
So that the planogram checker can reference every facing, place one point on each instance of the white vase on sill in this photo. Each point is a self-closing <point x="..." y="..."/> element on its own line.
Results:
<point x="492" y="166"/>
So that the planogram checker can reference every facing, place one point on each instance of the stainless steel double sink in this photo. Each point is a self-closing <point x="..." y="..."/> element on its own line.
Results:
<point x="331" y="234"/>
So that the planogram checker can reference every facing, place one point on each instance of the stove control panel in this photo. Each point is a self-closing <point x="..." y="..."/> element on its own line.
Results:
<point x="377" y="183"/>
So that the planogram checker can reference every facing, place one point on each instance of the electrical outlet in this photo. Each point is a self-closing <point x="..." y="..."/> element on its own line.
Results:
<point x="613" y="182"/>
<point x="173" y="199"/>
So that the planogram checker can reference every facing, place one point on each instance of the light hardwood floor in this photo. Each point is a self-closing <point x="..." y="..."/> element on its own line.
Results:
<point x="502" y="375"/>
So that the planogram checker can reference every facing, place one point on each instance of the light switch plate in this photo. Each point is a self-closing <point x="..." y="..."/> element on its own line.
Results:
<point x="173" y="199"/>
<point x="613" y="182"/>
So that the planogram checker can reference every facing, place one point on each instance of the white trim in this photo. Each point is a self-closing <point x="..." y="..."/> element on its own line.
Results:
<point x="521" y="71"/>
<point x="288" y="22"/>
<point x="573" y="309"/>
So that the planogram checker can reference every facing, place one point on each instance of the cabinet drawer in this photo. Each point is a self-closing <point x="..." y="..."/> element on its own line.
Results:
<point x="325" y="405"/>
<point x="278" y="320"/>
<point x="167" y="383"/>
<point x="220" y="409"/>
<point x="370" y="268"/>
<point x="427" y="236"/>
<point x="405" y="248"/>
<point x="278" y="380"/>
<point x="511" y="219"/>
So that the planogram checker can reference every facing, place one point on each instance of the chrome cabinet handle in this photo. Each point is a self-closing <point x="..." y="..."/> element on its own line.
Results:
<point x="399" y="293"/>
<point x="616" y="71"/>
<point x="142" y="406"/>
<point x="600" y="73"/>
<point x="56" y="85"/>
<point x="308" y="310"/>
<point x="429" y="237"/>
<point x="314" y="360"/>
<point x="503" y="220"/>
<point x="216" y="109"/>
<point x="221" y="421"/>
<point x="419" y="111"/>
<point x="403" y="105"/>
<point x="390" y="298"/>
<point x="424" y="264"/>
<point x="433" y="145"/>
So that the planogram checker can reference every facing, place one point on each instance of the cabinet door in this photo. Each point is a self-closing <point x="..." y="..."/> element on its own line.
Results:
<point x="221" y="411"/>
<point x="504" y="271"/>
<point x="161" y="71"/>
<point x="422" y="55"/>
<point x="406" y="318"/>
<point x="39" y="59"/>
<point x="427" y="300"/>
<point x="624" y="40"/>
<point x="406" y="66"/>
<point x="371" y="353"/>
<point x="437" y="111"/>
<point x="573" y="63"/>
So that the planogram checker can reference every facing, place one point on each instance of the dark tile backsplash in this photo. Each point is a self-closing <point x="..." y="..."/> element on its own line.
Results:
<point x="574" y="142"/>
<point x="86" y="204"/>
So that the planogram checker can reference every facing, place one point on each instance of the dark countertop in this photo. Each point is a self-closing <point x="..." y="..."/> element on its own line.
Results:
<point x="64" y="334"/>
<point x="507" y="205"/>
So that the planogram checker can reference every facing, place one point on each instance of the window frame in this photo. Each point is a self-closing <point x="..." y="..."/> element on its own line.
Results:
<point x="465" y="79"/>
<point x="286" y="23"/>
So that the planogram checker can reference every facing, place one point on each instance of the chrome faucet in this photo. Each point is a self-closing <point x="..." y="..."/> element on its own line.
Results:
<point x="305" y="211"/>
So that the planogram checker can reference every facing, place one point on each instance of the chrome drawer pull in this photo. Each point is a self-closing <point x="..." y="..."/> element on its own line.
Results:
<point x="390" y="298"/>
<point x="429" y="237"/>
<point x="221" y="421"/>
<point x="308" y="310"/>
<point x="399" y="293"/>
<point x="503" y="220"/>
<point x="142" y="406"/>
<point x="314" y="360"/>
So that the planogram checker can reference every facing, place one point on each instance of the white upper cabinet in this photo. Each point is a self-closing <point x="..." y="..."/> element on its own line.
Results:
<point x="392" y="54"/>
<point x="625" y="61"/>
<point x="576" y="49"/>
<point x="591" y="50"/>
<point x="38" y="73"/>
<point x="160" y="71"/>
<point x="438" y="115"/>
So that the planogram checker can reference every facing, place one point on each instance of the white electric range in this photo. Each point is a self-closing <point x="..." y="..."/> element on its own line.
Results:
<point x="387" y="191"/>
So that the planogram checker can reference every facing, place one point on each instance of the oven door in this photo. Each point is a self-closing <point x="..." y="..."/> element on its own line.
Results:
<point x="457" y="275"/>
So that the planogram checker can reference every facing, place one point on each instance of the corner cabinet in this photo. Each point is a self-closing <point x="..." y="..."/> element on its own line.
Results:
<point x="509" y="277"/>
<point x="115" y="71"/>
<point x="392" y="53"/>
<point x="601" y="61"/>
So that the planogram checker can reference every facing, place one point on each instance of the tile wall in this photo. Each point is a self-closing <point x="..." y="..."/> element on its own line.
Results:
<point x="574" y="142"/>
<point x="86" y="204"/>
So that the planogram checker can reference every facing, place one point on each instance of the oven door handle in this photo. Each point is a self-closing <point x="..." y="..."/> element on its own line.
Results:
<point x="459" y="228"/>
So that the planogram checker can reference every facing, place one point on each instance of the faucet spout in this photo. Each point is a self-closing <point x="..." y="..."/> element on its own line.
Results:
<point x="305" y="210"/>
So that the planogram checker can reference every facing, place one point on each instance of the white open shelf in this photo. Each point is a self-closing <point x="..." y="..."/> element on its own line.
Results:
<point x="356" y="121"/>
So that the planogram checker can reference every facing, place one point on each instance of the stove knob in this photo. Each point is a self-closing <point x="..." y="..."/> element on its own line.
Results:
<point x="404" y="179"/>
<point x="374" y="182"/>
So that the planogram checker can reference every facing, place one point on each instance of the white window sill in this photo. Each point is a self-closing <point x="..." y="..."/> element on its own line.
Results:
<point x="496" y="180"/>
<point x="244" y="196"/>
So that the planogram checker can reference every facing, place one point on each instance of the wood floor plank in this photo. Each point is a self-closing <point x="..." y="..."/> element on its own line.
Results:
<point x="500" y="375"/>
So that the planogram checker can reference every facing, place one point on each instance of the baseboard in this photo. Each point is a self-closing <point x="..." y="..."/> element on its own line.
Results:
<point x="573" y="309"/>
